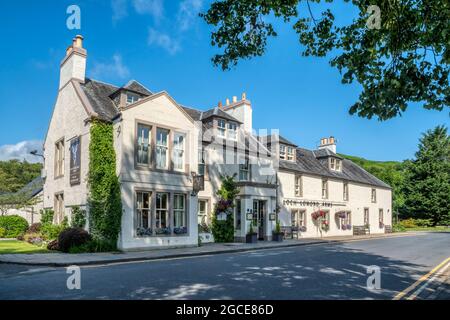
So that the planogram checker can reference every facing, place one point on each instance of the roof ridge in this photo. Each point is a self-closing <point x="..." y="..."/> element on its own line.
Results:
<point x="102" y="82"/>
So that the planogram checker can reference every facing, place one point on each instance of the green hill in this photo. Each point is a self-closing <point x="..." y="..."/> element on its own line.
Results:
<point x="391" y="172"/>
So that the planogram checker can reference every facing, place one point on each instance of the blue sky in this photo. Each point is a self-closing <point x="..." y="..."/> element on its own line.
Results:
<point x="165" y="46"/>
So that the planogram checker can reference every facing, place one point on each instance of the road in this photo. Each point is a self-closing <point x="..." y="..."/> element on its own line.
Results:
<point x="326" y="271"/>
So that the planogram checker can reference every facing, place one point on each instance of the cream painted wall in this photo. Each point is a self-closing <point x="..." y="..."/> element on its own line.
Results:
<point x="359" y="198"/>
<point x="68" y="122"/>
<point x="160" y="111"/>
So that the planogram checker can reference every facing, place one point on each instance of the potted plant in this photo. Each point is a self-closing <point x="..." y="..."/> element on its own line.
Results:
<point x="251" y="236"/>
<point x="277" y="234"/>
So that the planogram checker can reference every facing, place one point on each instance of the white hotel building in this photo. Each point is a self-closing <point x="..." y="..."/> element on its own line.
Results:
<point x="160" y="144"/>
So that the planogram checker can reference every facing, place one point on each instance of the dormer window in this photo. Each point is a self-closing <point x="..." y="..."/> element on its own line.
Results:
<point x="232" y="130"/>
<point x="290" y="154"/>
<point x="221" y="128"/>
<point x="282" y="152"/>
<point x="132" y="98"/>
<point x="335" y="164"/>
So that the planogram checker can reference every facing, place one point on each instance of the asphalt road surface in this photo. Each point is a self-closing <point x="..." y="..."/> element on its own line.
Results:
<point x="327" y="271"/>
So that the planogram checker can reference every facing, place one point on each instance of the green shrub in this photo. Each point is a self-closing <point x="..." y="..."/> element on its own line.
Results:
<point x="47" y="216"/>
<point x="73" y="237"/>
<point x="51" y="231"/>
<point x="78" y="217"/>
<point x="408" y="223"/>
<point x="14" y="226"/>
<point x="424" y="223"/>
<point x="397" y="227"/>
<point x="94" y="246"/>
<point x="2" y="232"/>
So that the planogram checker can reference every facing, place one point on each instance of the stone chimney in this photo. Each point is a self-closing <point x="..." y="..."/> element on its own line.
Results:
<point x="241" y="110"/>
<point x="73" y="65"/>
<point x="328" y="143"/>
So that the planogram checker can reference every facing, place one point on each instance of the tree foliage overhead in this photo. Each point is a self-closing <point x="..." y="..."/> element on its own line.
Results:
<point x="406" y="60"/>
<point x="427" y="180"/>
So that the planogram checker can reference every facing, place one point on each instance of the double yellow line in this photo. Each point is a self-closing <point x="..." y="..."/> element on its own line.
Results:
<point x="429" y="276"/>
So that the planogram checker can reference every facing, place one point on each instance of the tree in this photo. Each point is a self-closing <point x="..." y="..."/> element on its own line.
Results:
<point x="15" y="174"/>
<point x="427" y="181"/>
<point x="398" y="51"/>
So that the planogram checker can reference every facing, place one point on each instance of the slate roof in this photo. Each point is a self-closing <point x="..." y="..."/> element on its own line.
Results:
<point x="218" y="113"/>
<point x="135" y="86"/>
<point x="33" y="188"/>
<point x="98" y="95"/>
<point x="322" y="153"/>
<point x="308" y="163"/>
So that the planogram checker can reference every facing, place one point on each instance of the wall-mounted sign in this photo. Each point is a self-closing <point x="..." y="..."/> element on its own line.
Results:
<point x="272" y="216"/>
<point x="249" y="216"/>
<point x="311" y="203"/>
<point x="198" y="183"/>
<point x="75" y="161"/>
<point x="222" y="216"/>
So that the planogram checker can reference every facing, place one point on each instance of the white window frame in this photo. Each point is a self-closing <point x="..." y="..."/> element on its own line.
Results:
<point x="332" y="164"/>
<point x="282" y="152"/>
<point x="345" y="191"/>
<point x="338" y="165"/>
<point x="202" y="216"/>
<point x="299" y="219"/>
<point x="221" y="130"/>
<point x="59" y="158"/>
<point x="161" y="147"/>
<point x="298" y="186"/>
<point x="161" y="211"/>
<point x="59" y="207"/>
<point x="324" y="189"/>
<point x="244" y="170"/>
<point x="179" y="212"/>
<point x="232" y="131"/>
<point x="140" y="144"/>
<point x="132" y="98"/>
<point x="140" y="208"/>
<point x="290" y="154"/>
<point x="366" y="216"/>
<point x="381" y="215"/>
<point x="179" y="151"/>
<point x="201" y="170"/>
<point x="373" y="195"/>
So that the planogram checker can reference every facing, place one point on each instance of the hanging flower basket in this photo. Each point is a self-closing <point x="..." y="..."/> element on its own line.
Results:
<point x="318" y="214"/>
<point x="341" y="214"/>
<point x="344" y="227"/>
<point x="325" y="225"/>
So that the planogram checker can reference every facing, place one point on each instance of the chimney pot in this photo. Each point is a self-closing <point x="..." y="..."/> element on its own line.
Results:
<point x="219" y="104"/>
<point x="332" y="140"/>
<point x="234" y="99"/>
<point x="244" y="96"/>
<point x="78" y="41"/>
<point x="228" y="102"/>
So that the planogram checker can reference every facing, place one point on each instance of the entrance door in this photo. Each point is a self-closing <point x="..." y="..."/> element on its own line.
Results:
<point x="259" y="208"/>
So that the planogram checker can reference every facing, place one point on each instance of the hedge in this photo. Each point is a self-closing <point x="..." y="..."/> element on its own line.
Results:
<point x="14" y="226"/>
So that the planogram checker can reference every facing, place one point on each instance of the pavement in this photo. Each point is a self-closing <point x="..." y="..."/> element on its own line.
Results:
<point x="414" y="266"/>
<point x="65" y="259"/>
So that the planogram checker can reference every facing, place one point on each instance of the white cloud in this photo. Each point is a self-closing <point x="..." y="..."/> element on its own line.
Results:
<point x="21" y="151"/>
<point x="111" y="70"/>
<point x="155" y="8"/>
<point x="119" y="8"/>
<point x="187" y="13"/>
<point x="163" y="40"/>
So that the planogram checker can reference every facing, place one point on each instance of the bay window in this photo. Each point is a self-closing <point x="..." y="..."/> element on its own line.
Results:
<point x="143" y="144"/>
<point x="221" y="128"/>
<point x="162" y="210"/>
<point x="178" y="152"/>
<point x="232" y="131"/>
<point x="179" y="211"/>
<point x="162" y="148"/>
<point x="143" y="216"/>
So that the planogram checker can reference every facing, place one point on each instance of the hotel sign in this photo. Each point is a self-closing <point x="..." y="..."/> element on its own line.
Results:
<point x="311" y="203"/>
<point x="75" y="161"/>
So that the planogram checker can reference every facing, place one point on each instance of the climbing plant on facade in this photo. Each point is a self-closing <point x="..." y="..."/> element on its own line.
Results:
<point x="222" y="219"/>
<point x="105" y="205"/>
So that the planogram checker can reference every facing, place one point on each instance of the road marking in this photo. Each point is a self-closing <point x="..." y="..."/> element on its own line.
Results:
<point x="428" y="282"/>
<point x="401" y="294"/>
